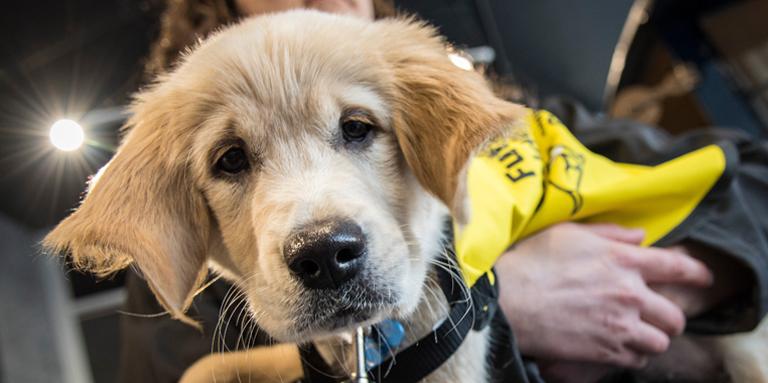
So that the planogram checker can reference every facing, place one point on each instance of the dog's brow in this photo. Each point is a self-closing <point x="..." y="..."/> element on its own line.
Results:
<point x="364" y="98"/>
<point x="359" y="113"/>
<point x="224" y="143"/>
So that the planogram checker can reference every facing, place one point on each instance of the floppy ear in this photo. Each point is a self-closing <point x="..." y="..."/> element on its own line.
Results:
<point x="443" y="114"/>
<point x="142" y="208"/>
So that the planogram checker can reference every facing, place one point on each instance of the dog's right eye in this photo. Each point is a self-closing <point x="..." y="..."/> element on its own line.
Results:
<point x="233" y="161"/>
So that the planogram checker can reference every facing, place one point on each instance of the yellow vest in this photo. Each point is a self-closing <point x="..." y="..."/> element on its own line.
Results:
<point x="542" y="175"/>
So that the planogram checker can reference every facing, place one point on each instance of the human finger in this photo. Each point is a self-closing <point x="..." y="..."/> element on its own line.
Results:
<point x="616" y="232"/>
<point x="629" y="358"/>
<point x="665" y="266"/>
<point x="661" y="313"/>
<point x="646" y="340"/>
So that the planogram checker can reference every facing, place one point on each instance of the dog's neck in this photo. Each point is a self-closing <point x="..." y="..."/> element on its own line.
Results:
<point x="468" y="363"/>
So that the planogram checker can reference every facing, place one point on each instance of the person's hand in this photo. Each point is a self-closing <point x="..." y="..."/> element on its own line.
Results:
<point x="731" y="278"/>
<point x="579" y="292"/>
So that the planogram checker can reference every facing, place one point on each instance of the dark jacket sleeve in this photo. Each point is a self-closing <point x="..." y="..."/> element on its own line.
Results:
<point x="506" y="362"/>
<point x="732" y="219"/>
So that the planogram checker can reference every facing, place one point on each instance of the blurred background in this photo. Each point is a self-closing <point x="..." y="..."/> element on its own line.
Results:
<point x="73" y="64"/>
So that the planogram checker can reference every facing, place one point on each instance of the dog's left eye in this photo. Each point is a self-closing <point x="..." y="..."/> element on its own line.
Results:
<point x="233" y="161"/>
<point x="355" y="130"/>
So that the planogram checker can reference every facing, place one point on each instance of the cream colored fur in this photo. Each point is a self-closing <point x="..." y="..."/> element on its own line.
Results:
<point x="278" y="86"/>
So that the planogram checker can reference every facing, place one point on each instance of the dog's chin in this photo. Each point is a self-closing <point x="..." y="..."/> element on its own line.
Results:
<point x="325" y="314"/>
<point x="343" y="321"/>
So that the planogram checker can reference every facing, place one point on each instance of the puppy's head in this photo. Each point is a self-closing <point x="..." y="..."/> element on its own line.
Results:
<point x="308" y="158"/>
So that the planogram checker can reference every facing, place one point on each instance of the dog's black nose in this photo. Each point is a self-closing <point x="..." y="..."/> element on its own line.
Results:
<point x="326" y="254"/>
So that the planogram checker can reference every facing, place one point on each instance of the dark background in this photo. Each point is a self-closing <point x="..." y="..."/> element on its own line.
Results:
<point x="82" y="59"/>
<point x="73" y="57"/>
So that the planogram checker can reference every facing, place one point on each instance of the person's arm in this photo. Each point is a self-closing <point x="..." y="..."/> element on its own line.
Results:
<point x="579" y="292"/>
<point x="730" y="225"/>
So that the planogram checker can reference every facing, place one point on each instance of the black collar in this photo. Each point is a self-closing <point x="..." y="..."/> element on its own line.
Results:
<point x="415" y="362"/>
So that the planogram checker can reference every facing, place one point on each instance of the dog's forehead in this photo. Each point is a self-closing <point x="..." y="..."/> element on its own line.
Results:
<point x="269" y="84"/>
<point x="291" y="66"/>
<point x="271" y="56"/>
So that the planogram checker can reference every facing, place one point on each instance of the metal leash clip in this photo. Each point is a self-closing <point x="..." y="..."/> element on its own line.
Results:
<point x="361" y="371"/>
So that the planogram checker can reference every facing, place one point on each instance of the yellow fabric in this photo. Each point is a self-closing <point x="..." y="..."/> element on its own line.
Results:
<point x="542" y="175"/>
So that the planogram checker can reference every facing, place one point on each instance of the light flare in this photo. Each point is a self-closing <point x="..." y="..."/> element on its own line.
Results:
<point x="67" y="135"/>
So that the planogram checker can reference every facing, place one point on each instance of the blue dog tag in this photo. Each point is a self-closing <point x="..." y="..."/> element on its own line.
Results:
<point x="383" y="341"/>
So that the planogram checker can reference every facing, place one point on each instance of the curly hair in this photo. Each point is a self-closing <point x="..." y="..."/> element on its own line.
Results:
<point x="185" y="21"/>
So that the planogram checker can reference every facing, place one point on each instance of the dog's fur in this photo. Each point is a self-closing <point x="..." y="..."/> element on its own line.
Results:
<point x="278" y="86"/>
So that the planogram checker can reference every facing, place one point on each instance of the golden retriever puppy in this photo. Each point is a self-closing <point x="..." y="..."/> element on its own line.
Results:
<point x="310" y="159"/>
